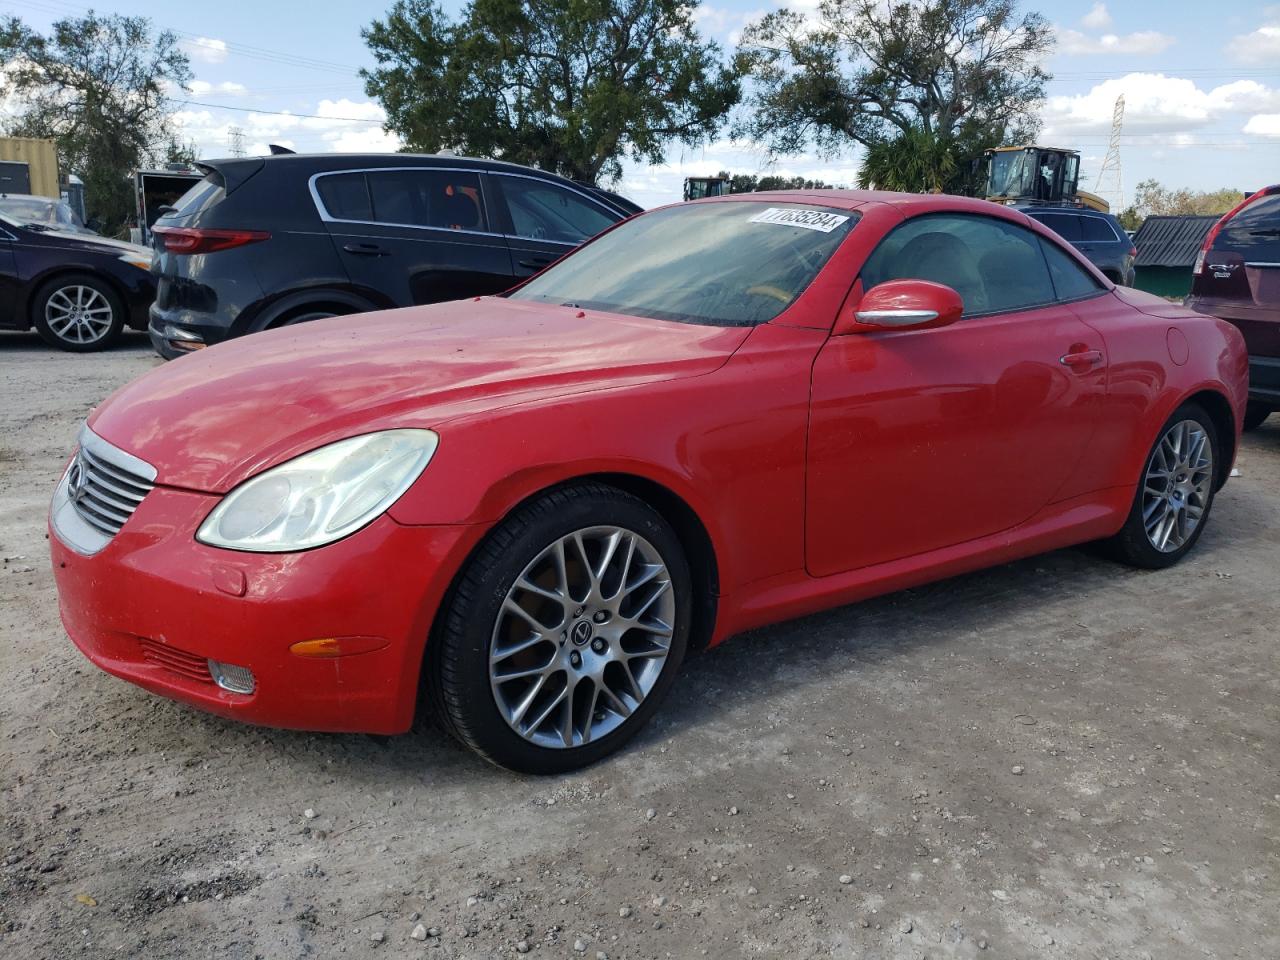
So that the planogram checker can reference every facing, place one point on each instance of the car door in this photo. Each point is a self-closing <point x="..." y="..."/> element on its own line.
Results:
<point x="414" y="234"/>
<point x="544" y="220"/>
<point x="922" y="439"/>
<point x="9" y="284"/>
<point x="1101" y="245"/>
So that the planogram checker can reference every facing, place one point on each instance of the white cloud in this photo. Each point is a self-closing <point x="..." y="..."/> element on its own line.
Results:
<point x="227" y="88"/>
<point x="1097" y="18"/>
<point x="1154" y="104"/>
<point x="1142" y="43"/>
<point x="329" y="130"/>
<point x="1261" y="46"/>
<point x="1264" y="125"/>
<point x="205" y="49"/>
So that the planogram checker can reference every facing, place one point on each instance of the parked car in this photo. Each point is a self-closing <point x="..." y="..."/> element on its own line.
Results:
<point x="713" y="416"/>
<point x="1237" y="277"/>
<point x="272" y="241"/>
<point x="78" y="290"/>
<point x="54" y="213"/>
<point x="1098" y="236"/>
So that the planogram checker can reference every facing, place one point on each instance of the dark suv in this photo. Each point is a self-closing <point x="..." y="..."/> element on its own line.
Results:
<point x="1237" y="277"/>
<point x="267" y="241"/>
<point x="1098" y="236"/>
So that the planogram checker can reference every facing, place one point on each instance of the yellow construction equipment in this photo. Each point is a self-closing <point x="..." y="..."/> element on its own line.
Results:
<point x="1037" y="175"/>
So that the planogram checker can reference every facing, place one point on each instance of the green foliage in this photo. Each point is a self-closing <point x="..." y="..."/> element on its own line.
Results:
<point x="570" y="86"/>
<point x="1154" y="199"/>
<point x="964" y="74"/>
<point x="914" y="161"/>
<point x="750" y="183"/>
<point x="96" y="85"/>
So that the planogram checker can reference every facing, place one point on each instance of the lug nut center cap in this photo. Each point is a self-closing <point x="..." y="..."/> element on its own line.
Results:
<point x="582" y="632"/>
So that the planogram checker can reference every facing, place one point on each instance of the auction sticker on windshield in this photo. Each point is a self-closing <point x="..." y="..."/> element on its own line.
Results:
<point x="799" y="217"/>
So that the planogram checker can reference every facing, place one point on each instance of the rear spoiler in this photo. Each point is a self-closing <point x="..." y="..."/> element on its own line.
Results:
<point x="233" y="171"/>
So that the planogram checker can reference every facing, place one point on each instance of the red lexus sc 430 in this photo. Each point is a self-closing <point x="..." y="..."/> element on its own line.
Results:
<point x="528" y="508"/>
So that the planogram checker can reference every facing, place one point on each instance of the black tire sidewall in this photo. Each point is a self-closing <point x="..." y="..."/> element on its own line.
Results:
<point x="48" y="289"/>
<point x="1132" y="543"/>
<point x="461" y="669"/>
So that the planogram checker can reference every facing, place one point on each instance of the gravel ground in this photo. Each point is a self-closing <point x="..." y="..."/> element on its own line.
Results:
<point x="1058" y="757"/>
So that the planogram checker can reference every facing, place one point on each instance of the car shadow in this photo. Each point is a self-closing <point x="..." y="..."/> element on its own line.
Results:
<point x="21" y="342"/>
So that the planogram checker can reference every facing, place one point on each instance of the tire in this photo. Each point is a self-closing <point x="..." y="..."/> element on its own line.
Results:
<point x="1188" y="492"/>
<point x="304" y="315"/>
<point x="1255" y="414"/>
<point x="77" y="312"/>
<point x="611" y="637"/>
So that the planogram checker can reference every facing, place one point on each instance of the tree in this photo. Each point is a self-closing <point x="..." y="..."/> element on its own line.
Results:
<point x="915" y="161"/>
<point x="96" y="85"/>
<point x="750" y="183"/>
<point x="957" y="76"/>
<point x="1152" y="198"/>
<point x="570" y="86"/>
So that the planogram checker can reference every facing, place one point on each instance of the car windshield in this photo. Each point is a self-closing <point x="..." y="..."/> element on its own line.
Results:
<point x="38" y="211"/>
<point x="725" y="264"/>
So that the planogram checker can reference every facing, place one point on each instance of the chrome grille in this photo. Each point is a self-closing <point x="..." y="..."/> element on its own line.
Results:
<point x="104" y="494"/>
<point x="98" y="493"/>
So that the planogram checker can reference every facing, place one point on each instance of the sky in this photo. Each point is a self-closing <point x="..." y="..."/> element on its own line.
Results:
<point x="1201" y="86"/>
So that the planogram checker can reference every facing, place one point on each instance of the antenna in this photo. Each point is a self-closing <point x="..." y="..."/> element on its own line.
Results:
<point x="1110" y="171"/>
<point x="235" y="137"/>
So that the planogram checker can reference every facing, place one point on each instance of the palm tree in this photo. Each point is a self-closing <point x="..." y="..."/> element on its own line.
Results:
<point x="915" y="161"/>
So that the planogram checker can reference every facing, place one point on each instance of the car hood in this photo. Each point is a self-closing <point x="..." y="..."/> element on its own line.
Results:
<point x="93" y="241"/>
<point x="211" y="419"/>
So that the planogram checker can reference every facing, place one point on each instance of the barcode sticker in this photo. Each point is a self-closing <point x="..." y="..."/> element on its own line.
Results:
<point x="798" y="217"/>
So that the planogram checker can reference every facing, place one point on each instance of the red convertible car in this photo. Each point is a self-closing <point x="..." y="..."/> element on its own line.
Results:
<point x="527" y="508"/>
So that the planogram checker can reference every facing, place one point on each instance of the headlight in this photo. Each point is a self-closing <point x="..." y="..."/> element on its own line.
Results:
<point x="140" y="260"/>
<point x="321" y="496"/>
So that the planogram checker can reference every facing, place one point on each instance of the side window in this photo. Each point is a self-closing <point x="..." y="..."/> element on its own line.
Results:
<point x="1070" y="280"/>
<point x="1065" y="225"/>
<point x="443" y="199"/>
<point x="995" y="266"/>
<point x="1095" y="229"/>
<point x="543" y="211"/>
<point x="345" y="196"/>
<point x="1254" y="232"/>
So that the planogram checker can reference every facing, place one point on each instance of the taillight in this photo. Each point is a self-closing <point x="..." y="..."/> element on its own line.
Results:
<point x="201" y="240"/>
<point x="1205" y="247"/>
<point x="1133" y="251"/>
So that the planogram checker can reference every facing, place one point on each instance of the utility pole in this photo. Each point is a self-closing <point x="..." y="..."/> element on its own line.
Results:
<point x="235" y="137"/>
<point x="1110" y="171"/>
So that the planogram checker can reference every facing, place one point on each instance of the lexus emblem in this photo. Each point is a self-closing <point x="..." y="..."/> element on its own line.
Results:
<point x="582" y="632"/>
<point x="77" y="481"/>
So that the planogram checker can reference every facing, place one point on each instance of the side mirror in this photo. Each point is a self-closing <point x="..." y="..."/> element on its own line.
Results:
<point x="903" y="304"/>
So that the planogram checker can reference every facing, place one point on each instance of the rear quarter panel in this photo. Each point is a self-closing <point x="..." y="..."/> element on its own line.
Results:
<point x="1146" y="337"/>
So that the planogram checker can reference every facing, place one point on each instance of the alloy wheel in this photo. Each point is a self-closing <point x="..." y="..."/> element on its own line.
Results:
<point x="582" y="637"/>
<point x="1177" y="485"/>
<point x="78" y="314"/>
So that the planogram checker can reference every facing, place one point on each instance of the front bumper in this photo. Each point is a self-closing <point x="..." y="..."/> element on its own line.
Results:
<point x="153" y="605"/>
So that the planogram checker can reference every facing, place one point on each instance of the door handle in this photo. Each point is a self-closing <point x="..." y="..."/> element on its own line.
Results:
<point x="366" y="249"/>
<point x="1081" y="358"/>
<point x="534" y="263"/>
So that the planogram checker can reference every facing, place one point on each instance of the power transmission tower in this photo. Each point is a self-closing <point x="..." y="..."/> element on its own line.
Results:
<point x="236" y="137"/>
<point x="1110" y="171"/>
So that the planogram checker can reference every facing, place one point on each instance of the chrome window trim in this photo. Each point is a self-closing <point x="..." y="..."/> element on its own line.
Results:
<point x="1260" y="263"/>
<point x="327" y="217"/>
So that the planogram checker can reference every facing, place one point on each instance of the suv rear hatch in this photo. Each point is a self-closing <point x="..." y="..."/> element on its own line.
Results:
<point x="1237" y="274"/>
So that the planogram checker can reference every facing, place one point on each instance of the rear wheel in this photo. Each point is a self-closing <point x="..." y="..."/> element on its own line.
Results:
<point x="565" y="632"/>
<point x="1255" y="414"/>
<point x="77" y="312"/>
<point x="1175" y="493"/>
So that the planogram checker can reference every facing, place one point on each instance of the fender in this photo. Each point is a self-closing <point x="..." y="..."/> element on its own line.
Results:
<point x="267" y="315"/>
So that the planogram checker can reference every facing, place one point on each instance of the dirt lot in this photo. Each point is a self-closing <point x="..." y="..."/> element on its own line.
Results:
<point x="1054" y="758"/>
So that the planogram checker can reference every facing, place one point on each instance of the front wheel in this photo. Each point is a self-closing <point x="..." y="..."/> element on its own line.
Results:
<point x="1175" y="494"/>
<point x="565" y="632"/>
